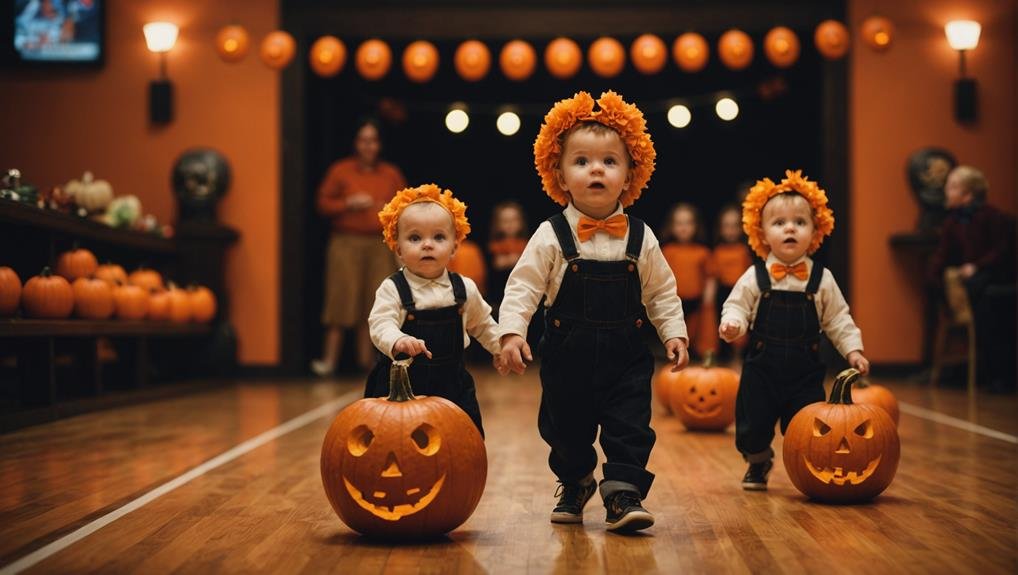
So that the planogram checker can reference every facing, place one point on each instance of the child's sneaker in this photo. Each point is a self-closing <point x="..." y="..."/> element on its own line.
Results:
<point x="572" y="497"/>
<point x="625" y="514"/>
<point x="756" y="476"/>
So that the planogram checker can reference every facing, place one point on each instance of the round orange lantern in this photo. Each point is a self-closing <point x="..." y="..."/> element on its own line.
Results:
<point x="704" y="397"/>
<point x="841" y="451"/>
<point x="232" y="43"/>
<point x="373" y="59"/>
<point x="877" y="395"/>
<point x="735" y="48"/>
<point x="649" y="54"/>
<point x="10" y="291"/>
<point x="517" y="60"/>
<point x="420" y="61"/>
<point x="831" y="39"/>
<point x="878" y="33"/>
<point x="781" y="46"/>
<point x="607" y="57"/>
<point x="472" y="60"/>
<point x="563" y="58"/>
<point x="277" y="49"/>
<point x="690" y="52"/>
<point x="327" y="56"/>
<point x="403" y="467"/>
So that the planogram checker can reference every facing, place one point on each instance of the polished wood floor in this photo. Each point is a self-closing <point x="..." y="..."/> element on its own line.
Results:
<point x="951" y="509"/>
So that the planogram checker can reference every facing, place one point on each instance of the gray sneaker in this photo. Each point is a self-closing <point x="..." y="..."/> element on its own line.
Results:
<point x="572" y="497"/>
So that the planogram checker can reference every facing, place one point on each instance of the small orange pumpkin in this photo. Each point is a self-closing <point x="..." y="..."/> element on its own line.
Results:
<point x="146" y="278"/>
<point x="690" y="52"/>
<point x="180" y="304"/>
<point x="649" y="54"/>
<point x="563" y="58"/>
<point x="662" y="384"/>
<point x="76" y="263"/>
<point x="47" y="296"/>
<point x="831" y="39"/>
<point x="93" y="298"/>
<point x="158" y="304"/>
<point x="420" y="61"/>
<point x="878" y="395"/>
<point x="703" y="398"/>
<point x="606" y="57"/>
<point x="130" y="302"/>
<point x="735" y="48"/>
<point x="517" y="60"/>
<point x="111" y="273"/>
<point x="781" y="46"/>
<point x="841" y="451"/>
<point x="403" y="467"/>
<point x="327" y="56"/>
<point x="10" y="291"/>
<point x="203" y="303"/>
<point x="472" y="60"/>
<point x="373" y="59"/>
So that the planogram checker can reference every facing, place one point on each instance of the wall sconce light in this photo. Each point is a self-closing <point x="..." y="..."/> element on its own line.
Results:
<point x="963" y="35"/>
<point x="160" y="38"/>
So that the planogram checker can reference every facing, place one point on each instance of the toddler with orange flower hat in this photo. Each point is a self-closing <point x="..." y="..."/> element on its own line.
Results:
<point x="601" y="272"/>
<point x="424" y="310"/>
<point x="785" y="302"/>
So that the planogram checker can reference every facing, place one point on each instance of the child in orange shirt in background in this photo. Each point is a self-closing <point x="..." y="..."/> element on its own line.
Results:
<point x="690" y="260"/>
<point x="507" y="241"/>
<point x="731" y="257"/>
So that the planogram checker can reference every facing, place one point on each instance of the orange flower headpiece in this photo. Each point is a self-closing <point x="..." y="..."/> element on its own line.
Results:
<point x="389" y="216"/>
<point x="765" y="189"/>
<point x="614" y="112"/>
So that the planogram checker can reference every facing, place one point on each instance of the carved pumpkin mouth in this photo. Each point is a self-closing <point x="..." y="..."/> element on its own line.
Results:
<point x="395" y="512"/>
<point x="699" y="412"/>
<point x="839" y="476"/>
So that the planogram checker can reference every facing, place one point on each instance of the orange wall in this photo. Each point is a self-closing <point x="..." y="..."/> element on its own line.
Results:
<point x="57" y="124"/>
<point x="902" y="100"/>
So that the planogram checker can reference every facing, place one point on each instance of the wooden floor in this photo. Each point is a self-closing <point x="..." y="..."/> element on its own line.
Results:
<point x="951" y="509"/>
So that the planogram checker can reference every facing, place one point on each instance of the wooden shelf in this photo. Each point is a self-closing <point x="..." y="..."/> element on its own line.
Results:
<point x="20" y="213"/>
<point x="91" y="328"/>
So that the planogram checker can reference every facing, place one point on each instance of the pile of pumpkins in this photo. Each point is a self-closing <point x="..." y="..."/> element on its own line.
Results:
<point x="80" y="286"/>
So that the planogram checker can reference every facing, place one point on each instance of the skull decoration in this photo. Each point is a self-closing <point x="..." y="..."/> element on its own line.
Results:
<point x="403" y="467"/>
<point x="877" y="395"/>
<point x="704" y="397"/>
<point x="841" y="452"/>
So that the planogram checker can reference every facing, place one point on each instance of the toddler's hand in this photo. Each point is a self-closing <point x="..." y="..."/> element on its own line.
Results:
<point x="410" y="346"/>
<point x="515" y="350"/>
<point x="728" y="331"/>
<point x="857" y="360"/>
<point x="676" y="349"/>
<point x="500" y="364"/>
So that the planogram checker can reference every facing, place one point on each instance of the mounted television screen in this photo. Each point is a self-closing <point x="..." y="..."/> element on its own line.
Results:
<point x="58" y="31"/>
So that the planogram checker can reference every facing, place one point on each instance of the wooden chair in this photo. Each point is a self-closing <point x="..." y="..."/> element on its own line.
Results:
<point x="958" y="317"/>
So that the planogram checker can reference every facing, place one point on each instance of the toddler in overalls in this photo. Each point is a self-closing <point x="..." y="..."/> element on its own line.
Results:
<point x="602" y="273"/>
<point x="423" y="310"/>
<point x="786" y="302"/>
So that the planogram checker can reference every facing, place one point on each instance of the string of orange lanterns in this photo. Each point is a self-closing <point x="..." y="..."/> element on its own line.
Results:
<point x="563" y="58"/>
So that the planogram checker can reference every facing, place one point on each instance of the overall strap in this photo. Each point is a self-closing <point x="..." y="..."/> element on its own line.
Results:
<point x="763" y="279"/>
<point x="403" y="287"/>
<point x="815" y="276"/>
<point x="459" y="289"/>
<point x="565" y="236"/>
<point x="635" y="243"/>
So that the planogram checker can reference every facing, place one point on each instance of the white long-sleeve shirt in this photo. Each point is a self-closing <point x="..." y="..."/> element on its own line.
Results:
<point x="832" y="309"/>
<point x="387" y="315"/>
<point x="540" y="270"/>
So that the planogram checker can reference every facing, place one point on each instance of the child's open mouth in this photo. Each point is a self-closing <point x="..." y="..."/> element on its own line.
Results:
<point x="790" y="241"/>
<point x="596" y="186"/>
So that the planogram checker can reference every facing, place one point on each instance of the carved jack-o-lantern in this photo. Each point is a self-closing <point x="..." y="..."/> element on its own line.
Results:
<point x="403" y="467"/>
<point x="839" y="451"/>
<point x="704" y="397"/>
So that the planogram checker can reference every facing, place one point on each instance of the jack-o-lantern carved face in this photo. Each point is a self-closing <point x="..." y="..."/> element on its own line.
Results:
<point x="840" y="451"/>
<point x="393" y="494"/>
<point x="403" y="467"/>
<point x="704" y="397"/>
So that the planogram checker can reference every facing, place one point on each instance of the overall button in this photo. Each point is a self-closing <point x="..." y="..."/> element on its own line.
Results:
<point x="410" y="317"/>
<point x="575" y="267"/>
<point x="631" y="267"/>
<point x="557" y="323"/>
<point x="759" y="345"/>
<point x="639" y="323"/>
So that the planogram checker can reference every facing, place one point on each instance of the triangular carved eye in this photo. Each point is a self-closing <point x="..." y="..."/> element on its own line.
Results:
<point x="820" y="428"/>
<point x="864" y="429"/>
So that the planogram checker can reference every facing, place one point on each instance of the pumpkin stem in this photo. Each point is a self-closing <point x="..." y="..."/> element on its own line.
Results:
<point x="399" y="381"/>
<point x="842" y="391"/>
<point x="708" y="359"/>
<point x="46" y="272"/>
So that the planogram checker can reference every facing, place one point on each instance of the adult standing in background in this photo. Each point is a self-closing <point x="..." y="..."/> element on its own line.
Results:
<point x="357" y="261"/>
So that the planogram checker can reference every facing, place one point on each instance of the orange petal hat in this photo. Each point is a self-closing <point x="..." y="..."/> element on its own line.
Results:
<point x="389" y="216"/>
<point x="614" y="112"/>
<point x="765" y="189"/>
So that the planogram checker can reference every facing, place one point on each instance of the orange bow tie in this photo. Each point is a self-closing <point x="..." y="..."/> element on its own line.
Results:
<point x="615" y="225"/>
<point x="779" y="271"/>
